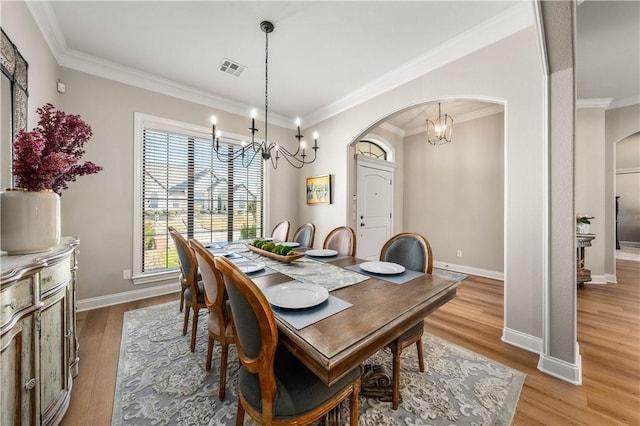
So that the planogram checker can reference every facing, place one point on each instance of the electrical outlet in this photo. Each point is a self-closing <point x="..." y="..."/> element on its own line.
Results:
<point x="459" y="253"/>
<point x="126" y="274"/>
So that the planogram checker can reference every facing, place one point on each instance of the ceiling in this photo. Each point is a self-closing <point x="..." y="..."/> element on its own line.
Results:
<point x="323" y="56"/>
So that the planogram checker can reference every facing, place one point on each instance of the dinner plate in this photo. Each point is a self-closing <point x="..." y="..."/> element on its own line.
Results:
<point x="295" y="295"/>
<point x="290" y="244"/>
<point x="321" y="252"/>
<point x="249" y="267"/>
<point x="387" y="268"/>
<point x="217" y="253"/>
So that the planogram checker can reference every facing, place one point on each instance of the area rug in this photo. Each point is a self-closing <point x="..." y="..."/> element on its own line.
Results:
<point x="160" y="382"/>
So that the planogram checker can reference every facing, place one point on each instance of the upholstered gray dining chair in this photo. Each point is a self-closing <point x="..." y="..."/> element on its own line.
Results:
<point x="305" y="235"/>
<point x="281" y="231"/>
<point x="341" y="239"/>
<point x="219" y="325"/>
<point x="412" y="251"/>
<point x="274" y="387"/>
<point x="193" y="288"/>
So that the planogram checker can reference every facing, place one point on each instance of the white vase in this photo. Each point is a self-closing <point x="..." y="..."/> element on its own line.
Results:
<point x="582" y="228"/>
<point x="30" y="221"/>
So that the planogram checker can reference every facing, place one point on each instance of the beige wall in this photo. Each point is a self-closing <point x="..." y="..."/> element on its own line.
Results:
<point x="509" y="72"/>
<point x="619" y="124"/>
<point x="590" y="184"/>
<point x="455" y="193"/>
<point x="99" y="208"/>
<point x="628" y="189"/>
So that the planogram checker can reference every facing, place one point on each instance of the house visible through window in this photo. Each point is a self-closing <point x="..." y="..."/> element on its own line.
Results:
<point x="184" y="185"/>
<point x="371" y="149"/>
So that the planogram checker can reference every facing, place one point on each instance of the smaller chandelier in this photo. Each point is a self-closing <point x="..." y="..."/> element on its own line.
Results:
<point x="439" y="130"/>
<point x="268" y="150"/>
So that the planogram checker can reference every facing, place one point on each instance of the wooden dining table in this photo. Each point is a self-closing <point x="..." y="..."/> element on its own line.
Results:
<point x="381" y="311"/>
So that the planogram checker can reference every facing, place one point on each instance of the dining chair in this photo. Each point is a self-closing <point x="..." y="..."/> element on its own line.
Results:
<point x="274" y="387"/>
<point x="412" y="251"/>
<point x="281" y="231"/>
<point x="305" y="235"/>
<point x="341" y="239"/>
<point x="194" y="291"/>
<point x="219" y="321"/>
<point x="184" y="283"/>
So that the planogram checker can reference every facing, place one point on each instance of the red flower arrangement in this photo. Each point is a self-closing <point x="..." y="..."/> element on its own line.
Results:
<point x="47" y="157"/>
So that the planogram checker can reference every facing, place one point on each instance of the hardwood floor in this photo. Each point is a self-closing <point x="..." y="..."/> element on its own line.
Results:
<point x="608" y="334"/>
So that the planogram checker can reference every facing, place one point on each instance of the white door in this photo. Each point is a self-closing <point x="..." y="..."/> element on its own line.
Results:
<point x="373" y="209"/>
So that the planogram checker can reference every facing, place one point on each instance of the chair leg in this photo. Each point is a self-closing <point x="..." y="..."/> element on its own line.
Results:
<point x="396" y="350"/>
<point x="420" y="355"/>
<point x="209" y="354"/>
<point x="187" y="309"/>
<point x="240" y="414"/>
<point x="194" y="329"/>
<point x="223" y="371"/>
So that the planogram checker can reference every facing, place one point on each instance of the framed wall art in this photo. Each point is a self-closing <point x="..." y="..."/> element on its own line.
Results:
<point x="319" y="190"/>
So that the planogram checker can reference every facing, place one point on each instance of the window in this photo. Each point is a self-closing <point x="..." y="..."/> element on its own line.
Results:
<point x="371" y="149"/>
<point x="182" y="183"/>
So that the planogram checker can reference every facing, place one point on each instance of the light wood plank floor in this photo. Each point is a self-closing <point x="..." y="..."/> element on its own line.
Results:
<point x="608" y="334"/>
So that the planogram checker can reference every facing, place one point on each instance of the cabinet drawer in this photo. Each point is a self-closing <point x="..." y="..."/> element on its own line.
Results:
<point x="14" y="298"/>
<point x="54" y="275"/>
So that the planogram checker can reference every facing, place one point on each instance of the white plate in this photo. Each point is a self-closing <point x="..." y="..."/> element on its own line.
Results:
<point x="267" y="239"/>
<point x="321" y="252"/>
<point x="295" y="295"/>
<point x="387" y="268"/>
<point x="217" y="253"/>
<point x="290" y="244"/>
<point x="249" y="267"/>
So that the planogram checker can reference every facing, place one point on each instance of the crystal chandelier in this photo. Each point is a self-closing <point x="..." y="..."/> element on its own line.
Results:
<point x="440" y="129"/>
<point x="265" y="148"/>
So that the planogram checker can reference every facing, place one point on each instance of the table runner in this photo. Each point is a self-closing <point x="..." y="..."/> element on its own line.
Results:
<point x="402" y="278"/>
<point x="306" y="270"/>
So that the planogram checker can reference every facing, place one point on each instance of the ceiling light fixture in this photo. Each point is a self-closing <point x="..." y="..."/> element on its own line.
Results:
<point x="250" y="150"/>
<point x="439" y="130"/>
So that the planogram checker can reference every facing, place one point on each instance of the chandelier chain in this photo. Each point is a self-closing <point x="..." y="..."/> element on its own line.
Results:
<point x="266" y="85"/>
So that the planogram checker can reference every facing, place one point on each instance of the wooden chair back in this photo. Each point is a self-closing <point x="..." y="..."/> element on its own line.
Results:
<point x="281" y="231"/>
<point x="342" y="239"/>
<point x="410" y="250"/>
<point x="305" y="235"/>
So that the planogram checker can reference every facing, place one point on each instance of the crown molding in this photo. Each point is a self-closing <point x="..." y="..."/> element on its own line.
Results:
<point x="620" y="103"/>
<point x="473" y="115"/>
<point x="497" y="28"/>
<point x="593" y="103"/>
<point x="73" y="59"/>
<point x="393" y="129"/>
<point x="507" y="23"/>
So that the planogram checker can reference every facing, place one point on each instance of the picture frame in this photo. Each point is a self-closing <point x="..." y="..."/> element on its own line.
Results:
<point x="319" y="190"/>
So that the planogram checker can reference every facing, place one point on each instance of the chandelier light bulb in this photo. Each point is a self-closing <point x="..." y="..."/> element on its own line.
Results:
<point x="315" y="135"/>
<point x="253" y="113"/>
<point x="214" y="120"/>
<point x="297" y="121"/>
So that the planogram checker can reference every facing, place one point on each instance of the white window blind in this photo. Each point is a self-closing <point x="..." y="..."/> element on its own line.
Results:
<point x="186" y="186"/>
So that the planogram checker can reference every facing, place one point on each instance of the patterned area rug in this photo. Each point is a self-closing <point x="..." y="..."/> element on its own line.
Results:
<point x="160" y="382"/>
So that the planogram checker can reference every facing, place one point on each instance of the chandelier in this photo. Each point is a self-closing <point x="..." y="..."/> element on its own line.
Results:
<point x="267" y="150"/>
<point x="439" y="130"/>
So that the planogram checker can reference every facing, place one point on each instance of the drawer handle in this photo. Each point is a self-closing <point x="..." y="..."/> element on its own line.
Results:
<point x="69" y="333"/>
<point x="31" y="384"/>
<point x="13" y="304"/>
<point x="47" y="279"/>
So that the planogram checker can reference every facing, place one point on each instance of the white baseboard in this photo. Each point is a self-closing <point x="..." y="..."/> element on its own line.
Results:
<point x="469" y="270"/>
<point x="598" y="279"/>
<point x="522" y="340"/>
<point x="611" y="278"/>
<point x="629" y="243"/>
<point x="126" y="296"/>
<point x="562" y="370"/>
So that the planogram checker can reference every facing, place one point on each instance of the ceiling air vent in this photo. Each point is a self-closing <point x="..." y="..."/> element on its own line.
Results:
<point x="233" y="68"/>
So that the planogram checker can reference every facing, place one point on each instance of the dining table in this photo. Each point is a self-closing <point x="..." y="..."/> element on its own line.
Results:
<point x="373" y="310"/>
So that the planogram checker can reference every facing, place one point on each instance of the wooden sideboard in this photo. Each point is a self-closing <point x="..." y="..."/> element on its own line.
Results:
<point x="38" y="345"/>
